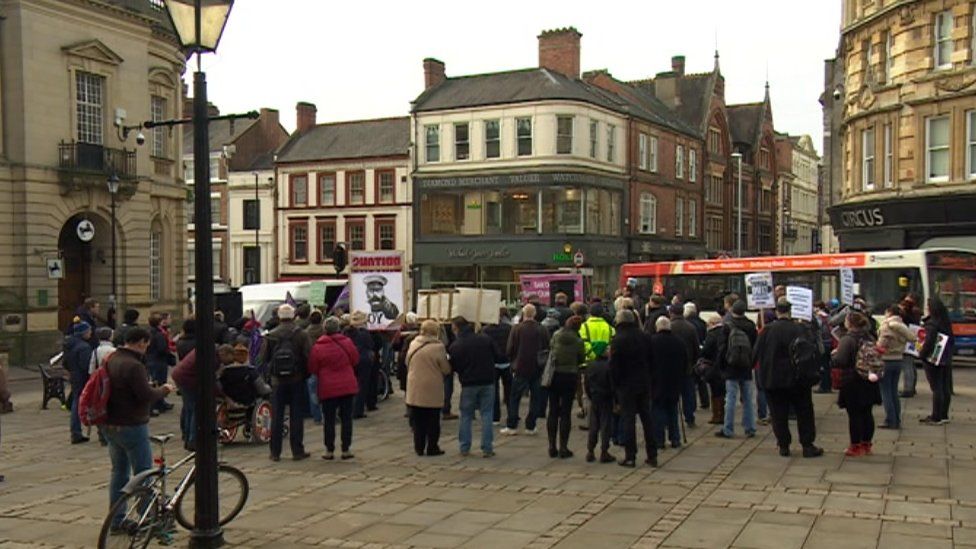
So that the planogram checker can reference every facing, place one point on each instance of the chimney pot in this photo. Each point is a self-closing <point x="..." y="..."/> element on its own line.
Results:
<point x="678" y="65"/>
<point x="305" y="116"/>
<point x="559" y="51"/>
<point x="434" y="72"/>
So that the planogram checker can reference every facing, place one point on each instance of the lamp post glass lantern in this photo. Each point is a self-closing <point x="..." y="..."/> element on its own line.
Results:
<point x="199" y="25"/>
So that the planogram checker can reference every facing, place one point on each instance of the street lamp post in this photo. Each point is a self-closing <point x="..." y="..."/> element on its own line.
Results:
<point x="738" y="207"/>
<point x="257" y="230"/>
<point x="199" y="25"/>
<point x="113" y="189"/>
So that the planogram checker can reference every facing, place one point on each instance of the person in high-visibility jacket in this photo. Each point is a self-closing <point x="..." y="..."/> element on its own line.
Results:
<point x="596" y="333"/>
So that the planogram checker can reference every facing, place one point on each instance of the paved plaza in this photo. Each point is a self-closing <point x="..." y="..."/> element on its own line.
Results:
<point x="917" y="491"/>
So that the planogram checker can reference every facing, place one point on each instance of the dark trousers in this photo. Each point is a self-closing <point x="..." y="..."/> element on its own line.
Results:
<point x="503" y="377"/>
<point x="188" y="416"/>
<point x="939" y="378"/>
<point x="448" y="393"/>
<point x="294" y="395"/>
<point x="688" y="399"/>
<point x="426" y="429"/>
<point x="665" y="414"/>
<point x="521" y="385"/>
<point x="717" y="386"/>
<point x="633" y="406"/>
<point x="703" y="395"/>
<point x="825" y="384"/>
<point x="363" y="372"/>
<point x="800" y="400"/>
<point x="601" y="420"/>
<point x="330" y="406"/>
<point x="158" y="375"/>
<point x="372" y="380"/>
<point x="860" y="422"/>
<point x="561" y="395"/>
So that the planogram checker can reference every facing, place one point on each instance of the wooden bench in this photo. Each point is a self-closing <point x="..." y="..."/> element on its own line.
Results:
<point x="53" y="376"/>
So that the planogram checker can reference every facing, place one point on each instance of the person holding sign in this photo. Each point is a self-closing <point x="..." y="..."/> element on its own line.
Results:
<point x="893" y="336"/>
<point x="936" y="354"/>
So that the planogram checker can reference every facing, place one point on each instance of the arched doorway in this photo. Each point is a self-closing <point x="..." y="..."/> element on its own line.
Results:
<point x="87" y="264"/>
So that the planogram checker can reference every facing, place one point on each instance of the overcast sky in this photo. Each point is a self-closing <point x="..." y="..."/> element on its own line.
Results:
<point x="363" y="59"/>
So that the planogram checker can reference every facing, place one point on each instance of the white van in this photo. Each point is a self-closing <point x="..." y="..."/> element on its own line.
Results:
<point x="263" y="299"/>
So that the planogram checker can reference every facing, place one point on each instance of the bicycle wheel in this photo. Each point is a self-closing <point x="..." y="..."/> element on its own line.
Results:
<point x="261" y="422"/>
<point x="232" y="491"/>
<point x="140" y="520"/>
<point x="383" y="387"/>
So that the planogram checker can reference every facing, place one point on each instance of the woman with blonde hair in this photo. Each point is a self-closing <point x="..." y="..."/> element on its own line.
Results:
<point x="427" y="365"/>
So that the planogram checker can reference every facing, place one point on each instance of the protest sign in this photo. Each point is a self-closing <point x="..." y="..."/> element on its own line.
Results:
<point x="759" y="291"/>
<point x="802" y="300"/>
<point x="847" y="286"/>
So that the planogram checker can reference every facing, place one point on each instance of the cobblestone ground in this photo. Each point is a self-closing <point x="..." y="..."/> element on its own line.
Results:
<point x="917" y="491"/>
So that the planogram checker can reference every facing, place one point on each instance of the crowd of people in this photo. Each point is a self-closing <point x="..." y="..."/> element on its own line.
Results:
<point x="655" y="362"/>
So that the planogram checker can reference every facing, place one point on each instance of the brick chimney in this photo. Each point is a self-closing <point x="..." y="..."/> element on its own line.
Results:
<point x="678" y="65"/>
<point x="434" y="72"/>
<point x="559" y="51"/>
<point x="305" y="116"/>
<point x="269" y="117"/>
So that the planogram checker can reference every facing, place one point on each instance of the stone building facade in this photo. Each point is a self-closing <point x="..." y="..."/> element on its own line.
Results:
<point x="72" y="70"/>
<point x="907" y="124"/>
<point x="799" y="170"/>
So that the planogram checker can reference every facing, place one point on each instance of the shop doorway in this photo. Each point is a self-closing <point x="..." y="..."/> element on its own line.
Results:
<point x="86" y="263"/>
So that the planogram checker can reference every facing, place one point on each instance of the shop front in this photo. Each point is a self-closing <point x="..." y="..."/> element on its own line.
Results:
<point x="485" y="230"/>
<point x="906" y="223"/>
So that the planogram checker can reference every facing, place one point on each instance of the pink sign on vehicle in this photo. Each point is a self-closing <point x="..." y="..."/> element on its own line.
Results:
<point x="546" y="285"/>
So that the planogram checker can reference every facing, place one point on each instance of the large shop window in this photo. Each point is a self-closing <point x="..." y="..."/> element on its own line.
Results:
<point x="602" y="212"/>
<point x="562" y="210"/>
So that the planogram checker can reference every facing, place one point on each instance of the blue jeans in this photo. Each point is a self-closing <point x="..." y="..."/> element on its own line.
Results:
<point x="665" y="416"/>
<point x="689" y="392"/>
<point x="188" y="416"/>
<point x="128" y="448"/>
<point x="448" y="393"/>
<point x="889" y="390"/>
<point x="732" y="389"/>
<point x="911" y="375"/>
<point x="313" y="398"/>
<point x="75" y="421"/>
<point x="481" y="398"/>
<point x="521" y="385"/>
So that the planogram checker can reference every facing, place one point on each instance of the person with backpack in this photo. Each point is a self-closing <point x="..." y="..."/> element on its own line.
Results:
<point x="735" y="363"/>
<point x="126" y="420"/>
<point x="77" y="360"/>
<point x="893" y="336"/>
<point x="860" y="366"/>
<point x="285" y="356"/>
<point x="788" y="354"/>
<point x="938" y="372"/>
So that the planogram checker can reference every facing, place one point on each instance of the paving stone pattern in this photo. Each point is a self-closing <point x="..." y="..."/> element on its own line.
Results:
<point x="917" y="491"/>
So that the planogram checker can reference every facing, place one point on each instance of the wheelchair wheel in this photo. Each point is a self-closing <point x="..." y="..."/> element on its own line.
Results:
<point x="226" y="428"/>
<point x="383" y="387"/>
<point x="261" y="422"/>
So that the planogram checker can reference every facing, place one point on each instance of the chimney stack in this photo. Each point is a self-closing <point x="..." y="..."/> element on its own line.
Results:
<point x="305" y="116"/>
<point x="559" y="51"/>
<point x="678" y="65"/>
<point x="434" y="72"/>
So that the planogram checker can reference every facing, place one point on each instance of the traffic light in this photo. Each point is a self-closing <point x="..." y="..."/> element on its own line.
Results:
<point x="339" y="258"/>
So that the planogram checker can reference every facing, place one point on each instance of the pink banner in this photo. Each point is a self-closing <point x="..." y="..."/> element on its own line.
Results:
<point x="539" y="284"/>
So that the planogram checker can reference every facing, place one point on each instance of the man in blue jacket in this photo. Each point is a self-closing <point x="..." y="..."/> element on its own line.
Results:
<point x="77" y="357"/>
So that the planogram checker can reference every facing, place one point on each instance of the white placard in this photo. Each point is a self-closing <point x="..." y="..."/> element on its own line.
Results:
<point x="912" y="348"/>
<point x="759" y="291"/>
<point x="846" y="286"/>
<point x="802" y="300"/>
<point x="376" y="286"/>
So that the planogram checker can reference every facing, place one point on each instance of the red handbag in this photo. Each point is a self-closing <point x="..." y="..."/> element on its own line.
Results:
<point x="836" y="378"/>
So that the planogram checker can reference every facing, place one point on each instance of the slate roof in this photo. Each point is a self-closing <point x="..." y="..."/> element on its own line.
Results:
<point x="148" y="8"/>
<point x="693" y="90"/>
<point x="644" y="104"/>
<point x="356" y="139"/>
<point x="744" y="122"/>
<point x="222" y="132"/>
<point x="264" y="161"/>
<point x="518" y="86"/>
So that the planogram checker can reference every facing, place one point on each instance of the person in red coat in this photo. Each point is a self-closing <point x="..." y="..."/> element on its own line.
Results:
<point x="333" y="360"/>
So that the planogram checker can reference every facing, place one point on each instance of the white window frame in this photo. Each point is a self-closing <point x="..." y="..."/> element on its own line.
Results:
<point x="459" y="143"/>
<point x="559" y="136"/>
<point x="611" y="143"/>
<point x="929" y="178"/>
<point x="679" y="162"/>
<point x="648" y="213"/>
<point x="887" y="179"/>
<point x="693" y="217"/>
<point x="867" y="159"/>
<point x="692" y="165"/>
<point x="652" y="160"/>
<point x="594" y="138"/>
<point x="217" y="259"/>
<point x="679" y="216"/>
<point x="432" y="130"/>
<point x="497" y="140"/>
<point x="90" y="107"/>
<point x="155" y="266"/>
<point x="970" y="151"/>
<point x="939" y="39"/>
<point x="642" y="151"/>
<point x="215" y="214"/>
<point x="519" y="138"/>
<point x="157" y="108"/>
<point x="889" y="45"/>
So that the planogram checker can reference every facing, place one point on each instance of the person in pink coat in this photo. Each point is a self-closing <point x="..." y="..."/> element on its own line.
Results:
<point x="333" y="360"/>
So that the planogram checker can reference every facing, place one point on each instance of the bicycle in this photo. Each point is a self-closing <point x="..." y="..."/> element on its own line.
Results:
<point x="383" y="386"/>
<point x="148" y="511"/>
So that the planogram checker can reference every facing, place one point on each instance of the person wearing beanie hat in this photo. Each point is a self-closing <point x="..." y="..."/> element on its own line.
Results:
<point x="77" y="361"/>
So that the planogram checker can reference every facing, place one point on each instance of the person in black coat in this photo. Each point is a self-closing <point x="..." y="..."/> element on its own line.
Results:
<point x="473" y="357"/>
<point x="686" y="333"/>
<point x="857" y="395"/>
<point x="600" y="390"/>
<point x="938" y="374"/>
<point x="503" y="367"/>
<point x="188" y="339"/>
<point x="360" y="337"/>
<point x="777" y="377"/>
<point x="77" y="358"/>
<point x="656" y="308"/>
<point x="668" y="381"/>
<point x="159" y="359"/>
<point x="630" y="371"/>
<point x="130" y="319"/>
<point x="716" y="385"/>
